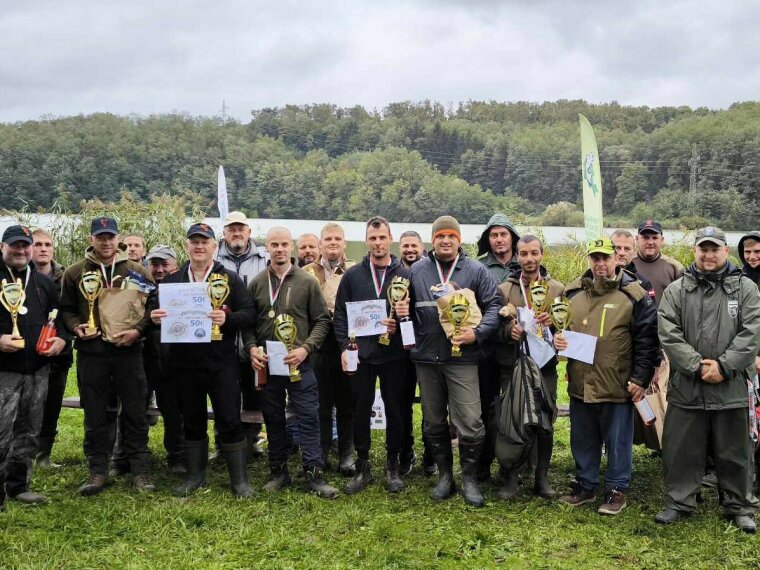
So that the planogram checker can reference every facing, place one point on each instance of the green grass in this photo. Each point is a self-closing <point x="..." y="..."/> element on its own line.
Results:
<point x="121" y="528"/>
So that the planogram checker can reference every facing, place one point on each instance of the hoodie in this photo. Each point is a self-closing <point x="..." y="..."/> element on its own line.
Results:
<point x="753" y="274"/>
<point x="500" y="272"/>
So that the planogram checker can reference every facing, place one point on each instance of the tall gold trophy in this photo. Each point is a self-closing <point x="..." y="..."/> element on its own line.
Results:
<point x="12" y="297"/>
<point x="457" y="311"/>
<point x="397" y="291"/>
<point x="540" y="301"/>
<point x="91" y="285"/>
<point x="560" y="314"/>
<point x="286" y="332"/>
<point x="218" y="289"/>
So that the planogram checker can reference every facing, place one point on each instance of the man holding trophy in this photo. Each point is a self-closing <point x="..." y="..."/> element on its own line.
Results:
<point x="23" y="365"/>
<point x="455" y="306"/>
<point x="377" y="283"/>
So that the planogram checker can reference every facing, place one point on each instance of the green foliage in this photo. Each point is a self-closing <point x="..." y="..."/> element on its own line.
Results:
<point x="562" y="214"/>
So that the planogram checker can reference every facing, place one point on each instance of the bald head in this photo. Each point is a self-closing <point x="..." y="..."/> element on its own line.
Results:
<point x="279" y="244"/>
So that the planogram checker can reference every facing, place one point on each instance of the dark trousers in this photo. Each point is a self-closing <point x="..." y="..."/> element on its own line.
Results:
<point x="251" y="397"/>
<point x="168" y="402"/>
<point x="410" y="391"/>
<point x="489" y="382"/>
<point x="59" y="371"/>
<point x="304" y="397"/>
<point x="101" y="377"/>
<point x="223" y="389"/>
<point x="592" y="425"/>
<point x="687" y="437"/>
<point x="334" y="390"/>
<point x="398" y="410"/>
<point x="22" y="397"/>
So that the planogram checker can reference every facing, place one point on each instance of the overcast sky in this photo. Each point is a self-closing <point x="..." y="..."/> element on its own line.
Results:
<point x="66" y="57"/>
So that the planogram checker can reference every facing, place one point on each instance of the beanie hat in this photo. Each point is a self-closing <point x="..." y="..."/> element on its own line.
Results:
<point x="446" y="224"/>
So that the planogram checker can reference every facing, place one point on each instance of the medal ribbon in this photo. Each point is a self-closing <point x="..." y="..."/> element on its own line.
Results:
<point x="438" y="268"/>
<point x="376" y="280"/>
<point x="525" y="296"/>
<point x="13" y="275"/>
<point x="205" y="274"/>
<point x="108" y="283"/>
<point x="275" y="293"/>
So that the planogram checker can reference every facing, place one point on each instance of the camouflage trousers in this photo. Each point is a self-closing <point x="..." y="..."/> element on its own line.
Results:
<point x="22" y="400"/>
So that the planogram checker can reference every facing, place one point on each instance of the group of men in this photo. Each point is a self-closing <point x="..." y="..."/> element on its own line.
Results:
<point x="707" y="335"/>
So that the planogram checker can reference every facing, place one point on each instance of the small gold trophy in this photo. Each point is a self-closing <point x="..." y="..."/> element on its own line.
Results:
<point x="540" y="301"/>
<point x="458" y="311"/>
<point x="560" y="313"/>
<point x="286" y="332"/>
<point x="397" y="291"/>
<point x="218" y="289"/>
<point x="12" y="297"/>
<point x="91" y="286"/>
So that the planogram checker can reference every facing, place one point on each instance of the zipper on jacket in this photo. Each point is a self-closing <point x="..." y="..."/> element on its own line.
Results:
<point x="604" y="316"/>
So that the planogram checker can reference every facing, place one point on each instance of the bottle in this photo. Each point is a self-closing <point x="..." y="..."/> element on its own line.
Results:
<point x="261" y="375"/>
<point x="645" y="411"/>
<point x="48" y="331"/>
<point x="407" y="333"/>
<point x="352" y="354"/>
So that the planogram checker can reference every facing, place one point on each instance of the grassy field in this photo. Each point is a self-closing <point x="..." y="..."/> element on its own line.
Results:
<point x="121" y="528"/>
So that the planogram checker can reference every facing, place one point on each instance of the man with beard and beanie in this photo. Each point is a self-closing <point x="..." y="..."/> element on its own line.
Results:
<point x="239" y="254"/>
<point x="515" y="293"/>
<point x="108" y="368"/>
<point x="43" y="252"/>
<point x="650" y="262"/>
<point x="334" y="386"/>
<point x="497" y="250"/>
<point x="709" y="325"/>
<point x="370" y="281"/>
<point x="609" y="304"/>
<point x="210" y="371"/>
<point x="450" y="383"/>
<point x="284" y="290"/>
<point x="23" y="371"/>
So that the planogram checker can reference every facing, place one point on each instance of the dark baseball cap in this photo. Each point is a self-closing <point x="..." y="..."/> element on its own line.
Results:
<point x="649" y="225"/>
<point x="12" y="234"/>
<point x="710" y="233"/>
<point x="161" y="252"/>
<point x="201" y="230"/>
<point x="103" y="226"/>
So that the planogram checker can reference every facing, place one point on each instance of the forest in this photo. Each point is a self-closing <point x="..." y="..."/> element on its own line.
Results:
<point x="410" y="161"/>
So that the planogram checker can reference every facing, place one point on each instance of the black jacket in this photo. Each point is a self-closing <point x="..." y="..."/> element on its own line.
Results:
<point x="40" y="300"/>
<point x="357" y="285"/>
<point x="220" y="353"/>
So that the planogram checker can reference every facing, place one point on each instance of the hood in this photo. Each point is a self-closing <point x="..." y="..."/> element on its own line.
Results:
<point x="497" y="220"/>
<point x="121" y="254"/>
<point x="753" y="235"/>
<point x="224" y="250"/>
<point x="728" y="270"/>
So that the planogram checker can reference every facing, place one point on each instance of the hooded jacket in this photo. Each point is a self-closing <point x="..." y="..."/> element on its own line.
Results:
<point x="623" y="318"/>
<point x="357" y="285"/>
<point x="75" y="310"/>
<point x="712" y="315"/>
<point x="753" y="274"/>
<point x="499" y="271"/>
<point x="432" y="345"/>
<point x="316" y="269"/>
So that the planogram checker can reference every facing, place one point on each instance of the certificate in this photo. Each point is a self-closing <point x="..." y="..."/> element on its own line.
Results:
<point x="276" y="352"/>
<point x="579" y="346"/>
<point x="364" y="317"/>
<point x="187" y="306"/>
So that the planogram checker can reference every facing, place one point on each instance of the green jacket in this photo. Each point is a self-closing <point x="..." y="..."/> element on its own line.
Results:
<point x="623" y="318"/>
<point x="716" y="316"/>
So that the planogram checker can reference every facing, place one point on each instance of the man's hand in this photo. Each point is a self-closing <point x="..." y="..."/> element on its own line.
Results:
<point x="402" y="309"/>
<point x="560" y="342"/>
<point x="259" y="358"/>
<point x="635" y="391"/>
<point x="390" y="325"/>
<point x="218" y="317"/>
<point x="344" y="360"/>
<point x="55" y="346"/>
<point x="543" y="318"/>
<point x="157" y="314"/>
<point x="79" y="331"/>
<point x="127" y="337"/>
<point x="516" y="332"/>
<point x="466" y="336"/>
<point x="5" y="343"/>
<point x="296" y="356"/>
<point x="711" y="371"/>
<point x="656" y="378"/>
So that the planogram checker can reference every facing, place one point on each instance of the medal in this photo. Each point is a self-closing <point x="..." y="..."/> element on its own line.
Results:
<point x="270" y="314"/>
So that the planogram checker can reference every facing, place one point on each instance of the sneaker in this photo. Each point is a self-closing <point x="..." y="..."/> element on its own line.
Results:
<point x="142" y="482"/>
<point x="95" y="483"/>
<point x="614" y="503"/>
<point x="578" y="496"/>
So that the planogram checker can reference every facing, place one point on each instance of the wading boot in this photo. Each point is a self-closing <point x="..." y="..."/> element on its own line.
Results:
<point x="469" y="456"/>
<point x="444" y="460"/>
<point x="196" y="455"/>
<point x="236" y="457"/>
<point x="541" y="486"/>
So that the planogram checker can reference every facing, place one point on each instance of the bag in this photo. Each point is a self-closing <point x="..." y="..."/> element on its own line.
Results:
<point x="120" y="310"/>
<point x="651" y="436"/>
<point x="472" y="321"/>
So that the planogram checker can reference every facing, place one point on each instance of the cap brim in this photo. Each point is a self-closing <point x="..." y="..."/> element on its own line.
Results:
<point x="650" y="231"/>
<point x="716" y="241"/>
<point x="14" y="239"/>
<point x="202" y="234"/>
<point x="104" y="231"/>
<point x="604" y="251"/>
<point x="159" y="256"/>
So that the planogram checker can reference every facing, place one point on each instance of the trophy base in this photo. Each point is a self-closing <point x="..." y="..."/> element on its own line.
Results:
<point x="456" y="352"/>
<point x="384" y="340"/>
<point x="89" y="331"/>
<point x="295" y="375"/>
<point x="18" y="343"/>
<point x="216" y="336"/>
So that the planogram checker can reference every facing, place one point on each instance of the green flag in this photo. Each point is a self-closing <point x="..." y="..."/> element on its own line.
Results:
<point x="592" y="181"/>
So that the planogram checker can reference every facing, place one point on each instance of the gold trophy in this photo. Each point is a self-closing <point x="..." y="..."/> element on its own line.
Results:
<point x="397" y="291"/>
<point x="286" y="332"/>
<point x="560" y="313"/>
<point x="457" y="311"/>
<point x="218" y="289"/>
<point x="91" y="285"/>
<point x="12" y="297"/>
<point x="540" y="301"/>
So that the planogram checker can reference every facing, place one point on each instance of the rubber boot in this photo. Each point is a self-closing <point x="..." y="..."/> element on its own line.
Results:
<point x="44" y="449"/>
<point x="510" y="482"/>
<point x="541" y="486"/>
<point x="393" y="481"/>
<point x="363" y="477"/>
<point x="196" y="456"/>
<point x="469" y="458"/>
<point x="444" y="460"/>
<point x="236" y="457"/>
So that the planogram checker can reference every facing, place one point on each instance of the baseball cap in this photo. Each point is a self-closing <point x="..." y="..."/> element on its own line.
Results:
<point x="649" y="225"/>
<point x="103" y="226"/>
<point x="161" y="252"/>
<point x="710" y="233"/>
<point x="201" y="230"/>
<point x="235" y="218"/>
<point x="12" y="234"/>
<point x="601" y="245"/>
